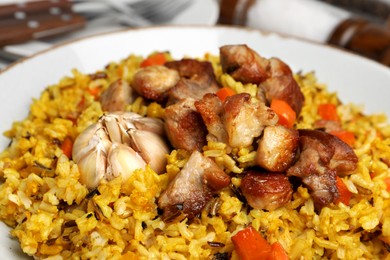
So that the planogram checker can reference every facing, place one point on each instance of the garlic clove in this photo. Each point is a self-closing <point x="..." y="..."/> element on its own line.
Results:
<point x="92" y="167"/>
<point x="114" y="129"/>
<point x="151" y="147"/>
<point x="123" y="160"/>
<point x="83" y="144"/>
<point x="117" y="123"/>
<point x="88" y="140"/>
<point x="149" y="124"/>
<point x="114" y="146"/>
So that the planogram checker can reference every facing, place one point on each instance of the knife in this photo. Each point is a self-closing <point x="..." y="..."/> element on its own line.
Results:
<point x="36" y="20"/>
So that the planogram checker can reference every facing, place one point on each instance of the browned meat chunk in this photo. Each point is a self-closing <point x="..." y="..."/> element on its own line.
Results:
<point x="327" y="125"/>
<point x="184" y="126"/>
<point x="344" y="159"/>
<point x="243" y="64"/>
<point x="282" y="85"/>
<point x="153" y="82"/>
<point x="277" y="148"/>
<point x="323" y="157"/>
<point x="245" y="119"/>
<point x="117" y="96"/>
<point x="211" y="109"/>
<point x="196" y="79"/>
<point x="188" y="193"/>
<point x="273" y="75"/>
<point x="267" y="191"/>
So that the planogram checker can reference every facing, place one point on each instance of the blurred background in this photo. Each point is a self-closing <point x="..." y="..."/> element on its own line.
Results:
<point x="359" y="26"/>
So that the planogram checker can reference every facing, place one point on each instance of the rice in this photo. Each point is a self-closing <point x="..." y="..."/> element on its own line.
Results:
<point x="54" y="216"/>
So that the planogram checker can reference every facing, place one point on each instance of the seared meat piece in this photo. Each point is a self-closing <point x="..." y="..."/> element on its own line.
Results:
<point x="243" y="64"/>
<point x="184" y="126"/>
<point x="188" y="193"/>
<point x="323" y="157"/>
<point x="245" y="119"/>
<point x="197" y="79"/>
<point x="117" y="96"/>
<point x="327" y="125"/>
<point x="153" y="82"/>
<point x="273" y="75"/>
<point x="191" y="68"/>
<point x="211" y="109"/>
<point x="312" y="169"/>
<point x="282" y="85"/>
<point x="344" y="159"/>
<point x="266" y="190"/>
<point x="277" y="148"/>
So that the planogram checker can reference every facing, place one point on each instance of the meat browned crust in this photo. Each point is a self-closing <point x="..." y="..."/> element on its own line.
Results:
<point x="211" y="109"/>
<point x="322" y="157"/>
<point x="184" y="126"/>
<point x="153" y="82"/>
<point x="243" y="64"/>
<point x="196" y="79"/>
<point x="245" y="119"/>
<point x="282" y="85"/>
<point x="274" y="77"/>
<point x="277" y="148"/>
<point x="264" y="190"/>
<point x="188" y="193"/>
<point x="117" y="96"/>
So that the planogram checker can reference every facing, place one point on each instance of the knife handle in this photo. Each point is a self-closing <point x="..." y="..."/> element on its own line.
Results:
<point x="364" y="37"/>
<point x="234" y="11"/>
<point x="36" y="20"/>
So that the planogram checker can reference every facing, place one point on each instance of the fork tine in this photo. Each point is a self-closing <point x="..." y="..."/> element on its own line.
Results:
<point x="144" y="6"/>
<point x="160" y="11"/>
<point x="165" y="10"/>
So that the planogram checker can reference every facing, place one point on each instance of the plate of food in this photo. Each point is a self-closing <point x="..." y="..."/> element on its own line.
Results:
<point x="194" y="142"/>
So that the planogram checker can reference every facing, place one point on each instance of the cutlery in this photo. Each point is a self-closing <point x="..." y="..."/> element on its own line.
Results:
<point x="46" y="18"/>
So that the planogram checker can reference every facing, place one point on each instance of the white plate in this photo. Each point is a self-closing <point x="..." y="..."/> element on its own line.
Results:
<point x="356" y="79"/>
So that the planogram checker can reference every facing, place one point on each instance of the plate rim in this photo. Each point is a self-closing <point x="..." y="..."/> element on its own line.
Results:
<point x="192" y="27"/>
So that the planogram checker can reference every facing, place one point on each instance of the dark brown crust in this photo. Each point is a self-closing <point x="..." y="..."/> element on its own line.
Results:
<point x="323" y="157"/>
<point x="277" y="148"/>
<point x="243" y="64"/>
<point x="184" y="126"/>
<point x="196" y="79"/>
<point x="273" y="75"/>
<point x="264" y="190"/>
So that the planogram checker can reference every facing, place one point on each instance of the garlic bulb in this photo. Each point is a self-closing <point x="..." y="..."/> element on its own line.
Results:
<point x="118" y="144"/>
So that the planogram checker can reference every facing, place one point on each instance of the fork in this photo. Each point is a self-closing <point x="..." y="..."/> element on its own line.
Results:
<point x="136" y="13"/>
<point x="160" y="11"/>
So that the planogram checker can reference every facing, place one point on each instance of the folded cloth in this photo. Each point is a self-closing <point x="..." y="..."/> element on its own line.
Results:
<point x="306" y="19"/>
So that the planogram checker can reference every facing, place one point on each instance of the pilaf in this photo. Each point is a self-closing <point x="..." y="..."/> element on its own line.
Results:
<point x="55" y="216"/>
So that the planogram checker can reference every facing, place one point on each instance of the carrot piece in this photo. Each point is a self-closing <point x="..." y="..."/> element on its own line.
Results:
<point x="278" y="252"/>
<point x="67" y="146"/>
<point x="225" y="92"/>
<point x="346" y="136"/>
<point x="286" y="114"/>
<point x="94" y="92"/>
<point x="249" y="244"/>
<point x="81" y="103"/>
<point x="72" y="118"/>
<point x="387" y="181"/>
<point x="345" y="194"/>
<point x="328" y="111"/>
<point x="157" y="58"/>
